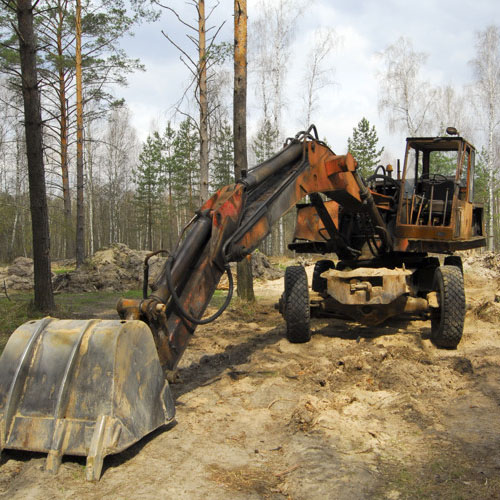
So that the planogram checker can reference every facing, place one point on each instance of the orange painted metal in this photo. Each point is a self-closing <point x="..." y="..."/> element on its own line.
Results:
<point x="309" y="226"/>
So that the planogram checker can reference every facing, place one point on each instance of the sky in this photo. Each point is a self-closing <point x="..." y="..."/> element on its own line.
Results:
<point x="444" y="30"/>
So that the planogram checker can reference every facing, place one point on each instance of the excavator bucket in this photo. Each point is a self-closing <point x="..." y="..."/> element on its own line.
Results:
<point x="81" y="387"/>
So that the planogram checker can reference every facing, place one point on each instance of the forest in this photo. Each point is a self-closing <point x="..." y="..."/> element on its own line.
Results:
<point x="372" y="374"/>
<point x="142" y="193"/>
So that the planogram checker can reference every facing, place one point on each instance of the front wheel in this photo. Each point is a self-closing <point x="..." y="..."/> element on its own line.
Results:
<point x="447" y="322"/>
<point x="319" y="284"/>
<point x="297" y="311"/>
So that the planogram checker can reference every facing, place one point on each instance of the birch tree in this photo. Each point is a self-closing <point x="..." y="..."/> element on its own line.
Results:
<point x="486" y="66"/>
<point x="318" y="72"/>
<point x="274" y="31"/>
<point x="453" y="109"/>
<point x="405" y="98"/>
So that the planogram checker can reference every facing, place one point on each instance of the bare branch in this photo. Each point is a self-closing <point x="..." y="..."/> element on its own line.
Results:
<point x="179" y="48"/>
<point x="179" y="18"/>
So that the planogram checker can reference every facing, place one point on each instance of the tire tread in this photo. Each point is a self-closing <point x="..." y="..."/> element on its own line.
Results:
<point x="447" y="328"/>
<point x="296" y="307"/>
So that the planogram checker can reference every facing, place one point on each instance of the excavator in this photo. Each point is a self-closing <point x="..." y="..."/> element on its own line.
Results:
<point x="95" y="387"/>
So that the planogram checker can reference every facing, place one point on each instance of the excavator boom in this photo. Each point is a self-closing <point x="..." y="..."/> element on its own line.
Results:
<point x="232" y="224"/>
<point x="95" y="387"/>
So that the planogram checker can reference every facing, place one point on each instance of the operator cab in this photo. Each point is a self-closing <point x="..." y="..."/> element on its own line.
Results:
<point x="437" y="190"/>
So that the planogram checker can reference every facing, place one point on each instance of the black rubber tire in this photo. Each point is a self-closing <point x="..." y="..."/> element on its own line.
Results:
<point x="319" y="284"/>
<point x="297" y="311"/>
<point x="447" y="322"/>
<point x="454" y="260"/>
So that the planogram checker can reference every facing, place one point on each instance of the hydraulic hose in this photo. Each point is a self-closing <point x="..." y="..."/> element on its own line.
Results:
<point x="180" y="308"/>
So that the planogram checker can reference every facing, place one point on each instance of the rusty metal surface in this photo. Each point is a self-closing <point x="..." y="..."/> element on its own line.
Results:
<point x="309" y="225"/>
<point x="372" y="315"/>
<point x="444" y="220"/>
<point x="81" y="387"/>
<point x="439" y="246"/>
<point x="367" y="286"/>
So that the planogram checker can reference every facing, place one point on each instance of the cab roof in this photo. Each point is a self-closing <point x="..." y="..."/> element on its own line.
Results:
<point x="450" y="143"/>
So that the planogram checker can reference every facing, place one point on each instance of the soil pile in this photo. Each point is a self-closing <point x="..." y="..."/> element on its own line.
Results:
<point x="17" y="276"/>
<point x="483" y="265"/>
<point x="120" y="268"/>
<point x="116" y="268"/>
<point x="262" y="268"/>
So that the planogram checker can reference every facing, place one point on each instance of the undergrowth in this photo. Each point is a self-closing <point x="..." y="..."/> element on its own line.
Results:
<point x="20" y="308"/>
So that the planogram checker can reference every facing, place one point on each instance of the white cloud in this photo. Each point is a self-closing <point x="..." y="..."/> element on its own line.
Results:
<point x="445" y="30"/>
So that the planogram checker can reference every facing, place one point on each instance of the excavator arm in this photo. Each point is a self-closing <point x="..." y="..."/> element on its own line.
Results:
<point x="94" y="387"/>
<point x="232" y="223"/>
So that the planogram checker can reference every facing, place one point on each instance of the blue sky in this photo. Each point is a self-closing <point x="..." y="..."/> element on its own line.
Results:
<point x="445" y="30"/>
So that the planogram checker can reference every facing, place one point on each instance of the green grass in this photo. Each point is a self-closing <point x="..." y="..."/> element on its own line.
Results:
<point x="63" y="270"/>
<point x="13" y="313"/>
<point x="20" y="309"/>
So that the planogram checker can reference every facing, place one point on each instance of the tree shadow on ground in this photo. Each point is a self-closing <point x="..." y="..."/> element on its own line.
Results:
<point x="350" y="330"/>
<point x="211" y="366"/>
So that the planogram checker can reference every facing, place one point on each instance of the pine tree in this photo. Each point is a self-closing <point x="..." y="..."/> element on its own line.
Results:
<point x="264" y="144"/>
<point x="363" y="146"/>
<point x="187" y="172"/>
<point x="223" y="157"/>
<point x="169" y="171"/>
<point x="148" y="177"/>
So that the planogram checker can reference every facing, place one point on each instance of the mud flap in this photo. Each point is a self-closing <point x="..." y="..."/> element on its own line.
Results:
<point x="81" y="387"/>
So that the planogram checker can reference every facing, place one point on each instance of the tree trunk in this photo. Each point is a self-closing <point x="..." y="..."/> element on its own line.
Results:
<point x="202" y="75"/>
<point x="90" y="192"/>
<point x="63" y="139"/>
<point x="44" y="299"/>
<point x="80" y="214"/>
<point x="244" y="270"/>
<point x="491" y="184"/>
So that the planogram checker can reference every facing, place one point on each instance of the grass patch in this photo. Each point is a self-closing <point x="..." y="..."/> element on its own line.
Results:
<point x="246" y="311"/>
<point x="244" y="479"/>
<point x="63" y="270"/>
<point x="17" y="311"/>
<point x="14" y="313"/>
<point x="443" y="477"/>
<point x="218" y="299"/>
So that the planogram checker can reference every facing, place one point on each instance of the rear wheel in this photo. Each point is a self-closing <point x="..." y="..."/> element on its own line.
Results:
<point x="319" y="284"/>
<point x="448" y="320"/>
<point x="296" y="305"/>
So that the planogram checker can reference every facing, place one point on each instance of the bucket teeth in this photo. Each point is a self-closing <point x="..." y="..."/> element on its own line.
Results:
<point x="95" y="456"/>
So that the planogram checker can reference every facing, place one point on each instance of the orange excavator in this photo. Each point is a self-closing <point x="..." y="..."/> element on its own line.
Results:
<point x="94" y="387"/>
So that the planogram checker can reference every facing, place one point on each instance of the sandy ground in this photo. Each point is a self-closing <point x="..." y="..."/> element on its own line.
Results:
<point x="355" y="413"/>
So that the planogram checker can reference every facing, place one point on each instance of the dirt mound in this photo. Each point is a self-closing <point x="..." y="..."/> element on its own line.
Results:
<point x="483" y="265"/>
<point x="115" y="268"/>
<point x="487" y="310"/>
<point x="17" y="276"/>
<point x="262" y="268"/>
<point x="22" y="267"/>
